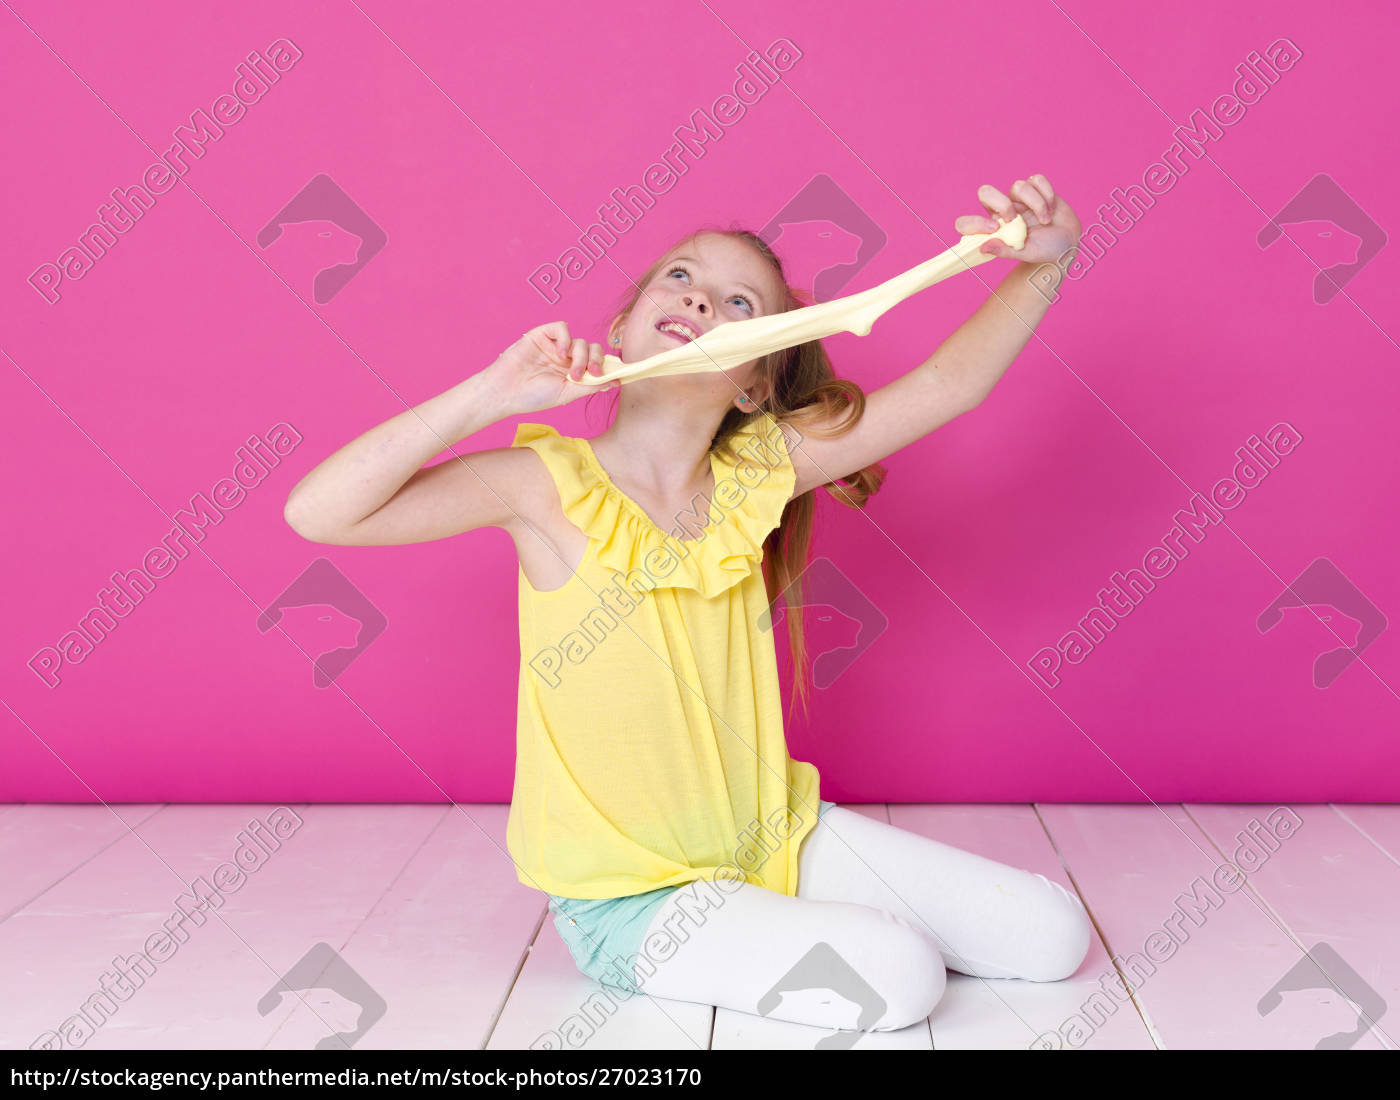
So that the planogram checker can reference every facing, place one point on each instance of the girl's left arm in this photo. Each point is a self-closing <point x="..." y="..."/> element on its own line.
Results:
<point x="965" y="367"/>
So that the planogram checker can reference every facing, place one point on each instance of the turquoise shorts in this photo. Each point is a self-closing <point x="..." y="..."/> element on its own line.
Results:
<point x="598" y="931"/>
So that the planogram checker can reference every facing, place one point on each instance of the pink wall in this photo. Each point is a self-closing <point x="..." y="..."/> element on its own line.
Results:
<point x="475" y="144"/>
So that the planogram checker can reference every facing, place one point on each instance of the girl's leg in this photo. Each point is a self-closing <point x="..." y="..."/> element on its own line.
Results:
<point x="832" y="964"/>
<point x="987" y="919"/>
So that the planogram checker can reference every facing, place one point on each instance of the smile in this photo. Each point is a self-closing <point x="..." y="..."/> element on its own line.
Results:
<point x="679" y="329"/>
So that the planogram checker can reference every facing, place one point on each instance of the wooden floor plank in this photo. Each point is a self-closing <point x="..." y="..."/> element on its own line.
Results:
<point x="42" y="842"/>
<point x="425" y="911"/>
<point x="1196" y="984"/>
<point x="744" y="1031"/>
<point x="317" y="885"/>
<point x="1008" y="1013"/>
<point x="554" y="1007"/>
<point x="1378" y="822"/>
<point x="445" y="941"/>
<point x="1338" y="894"/>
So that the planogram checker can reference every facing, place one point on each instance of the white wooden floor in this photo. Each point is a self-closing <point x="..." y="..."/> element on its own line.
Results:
<point x="423" y="916"/>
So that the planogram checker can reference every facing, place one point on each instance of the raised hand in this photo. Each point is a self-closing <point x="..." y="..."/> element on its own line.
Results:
<point x="542" y="368"/>
<point x="1053" y="226"/>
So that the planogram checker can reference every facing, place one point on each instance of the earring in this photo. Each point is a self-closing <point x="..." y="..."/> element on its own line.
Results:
<point x="743" y="400"/>
<point x="614" y="339"/>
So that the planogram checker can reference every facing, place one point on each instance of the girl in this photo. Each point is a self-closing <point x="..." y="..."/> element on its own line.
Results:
<point x="684" y="853"/>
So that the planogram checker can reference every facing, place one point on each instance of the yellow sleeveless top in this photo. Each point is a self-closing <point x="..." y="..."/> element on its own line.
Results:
<point x="649" y="735"/>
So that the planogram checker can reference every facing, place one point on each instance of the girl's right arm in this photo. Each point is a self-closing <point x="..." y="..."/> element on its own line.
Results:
<point x="375" y="491"/>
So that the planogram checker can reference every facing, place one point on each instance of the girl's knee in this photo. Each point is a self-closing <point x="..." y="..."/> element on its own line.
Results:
<point x="884" y="973"/>
<point x="917" y="978"/>
<point x="1064" y="935"/>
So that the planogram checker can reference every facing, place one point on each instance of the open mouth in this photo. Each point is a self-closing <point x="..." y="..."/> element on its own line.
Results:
<point x="677" y="329"/>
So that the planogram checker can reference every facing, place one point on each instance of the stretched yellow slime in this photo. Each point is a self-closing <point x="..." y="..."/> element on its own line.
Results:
<point x="735" y="342"/>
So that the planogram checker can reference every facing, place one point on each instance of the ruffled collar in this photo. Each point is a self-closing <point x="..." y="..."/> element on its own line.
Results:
<point x="590" y="457"/>
<point x="746" y="506"/>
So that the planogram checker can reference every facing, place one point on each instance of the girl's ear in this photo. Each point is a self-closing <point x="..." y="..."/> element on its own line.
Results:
<point x="758" y="400"/>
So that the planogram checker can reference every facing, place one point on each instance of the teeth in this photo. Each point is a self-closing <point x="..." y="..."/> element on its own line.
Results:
<point x="681" y="330"/>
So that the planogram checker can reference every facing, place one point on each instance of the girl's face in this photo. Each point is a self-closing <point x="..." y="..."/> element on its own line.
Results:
<point x="708" y="282"/>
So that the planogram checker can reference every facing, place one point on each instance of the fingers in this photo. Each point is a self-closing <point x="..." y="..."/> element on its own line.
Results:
<point x="577" y="358"/>
<point x="1033" y="195"/>
<point x="969" y="224"/>
<point x="576" y="355"/>
<point x="594" y="362"/>
<point x="585" y="357"/>
<point x="1029" y="194"/>
<point x="595" y="359"/>
<point x="998" y="203"/>
<point x="556" y="337"/>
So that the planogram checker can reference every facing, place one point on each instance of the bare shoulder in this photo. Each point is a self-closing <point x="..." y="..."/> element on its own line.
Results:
<point x="534" y="499"/>
<point x="549" y="547"/>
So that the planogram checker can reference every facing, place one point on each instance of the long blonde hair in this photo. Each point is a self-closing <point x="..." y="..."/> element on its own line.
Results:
<point x="804" y="392"/>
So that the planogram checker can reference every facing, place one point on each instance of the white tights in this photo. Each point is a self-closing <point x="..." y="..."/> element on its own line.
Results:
<point x="881" y="914"/>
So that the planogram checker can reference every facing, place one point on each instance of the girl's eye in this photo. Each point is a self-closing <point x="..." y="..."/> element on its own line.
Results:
<point x="740" y="297"/>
